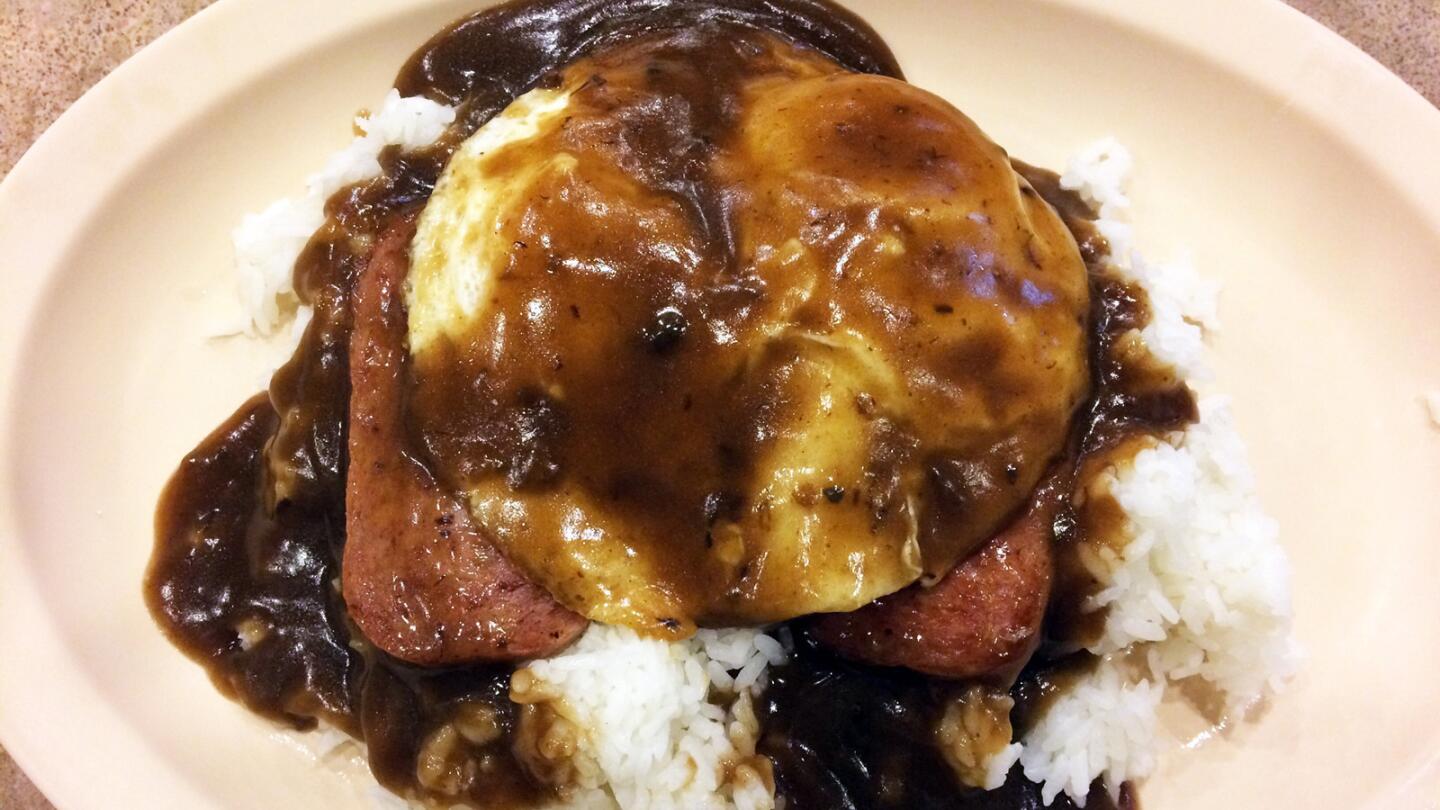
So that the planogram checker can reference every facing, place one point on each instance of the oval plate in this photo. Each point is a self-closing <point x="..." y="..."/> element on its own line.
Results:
<point x="1295" y="169"/>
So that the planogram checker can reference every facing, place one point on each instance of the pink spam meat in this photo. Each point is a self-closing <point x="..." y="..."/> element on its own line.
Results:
<point x="982" y="619"/>
<point x="420" y="579"/>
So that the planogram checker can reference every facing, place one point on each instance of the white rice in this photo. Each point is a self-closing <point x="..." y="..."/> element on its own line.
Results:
<point x="1198" y="589"/>
<point x="1103" y="726"/>
<point x="1203" y="580"/>
<point x="997" y="767"/>
<point x="975" y="736"/>
<point x="267" y="243"/>
<point x="657" y="725"/>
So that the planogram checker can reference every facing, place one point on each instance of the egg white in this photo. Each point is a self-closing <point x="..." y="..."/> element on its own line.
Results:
<point x="457" y="253"/>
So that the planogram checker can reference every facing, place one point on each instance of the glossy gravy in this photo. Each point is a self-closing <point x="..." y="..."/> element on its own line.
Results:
<point x="727" y="276"/>
<point x="244" y="576"/>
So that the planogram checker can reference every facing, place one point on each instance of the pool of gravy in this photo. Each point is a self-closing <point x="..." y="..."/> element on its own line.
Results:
<point x="250" y="529"/>
<point x="844" y="736"/>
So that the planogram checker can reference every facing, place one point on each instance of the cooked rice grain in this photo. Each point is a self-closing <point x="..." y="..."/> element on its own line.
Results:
<point x="267" y="243"/>
<point x="1200" y="586"/>
<point x="654" y="724"/>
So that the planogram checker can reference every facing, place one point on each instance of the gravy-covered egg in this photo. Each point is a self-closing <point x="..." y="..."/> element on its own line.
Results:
<point x="708" y="330"/>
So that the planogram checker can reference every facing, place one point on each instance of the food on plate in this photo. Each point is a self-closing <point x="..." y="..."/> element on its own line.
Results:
<point x="667" y="304"/>
<point x="689" y="412"/>
<point x="464" y="601"/>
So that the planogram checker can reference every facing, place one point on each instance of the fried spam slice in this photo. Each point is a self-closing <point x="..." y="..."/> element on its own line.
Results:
<point x="421" y="580"/>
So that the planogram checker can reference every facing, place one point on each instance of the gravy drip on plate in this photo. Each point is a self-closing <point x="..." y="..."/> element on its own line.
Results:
<point x="244" y="576"/>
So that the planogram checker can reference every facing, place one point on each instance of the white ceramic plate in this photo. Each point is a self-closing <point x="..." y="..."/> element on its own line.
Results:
<point x="1298" y="172"/>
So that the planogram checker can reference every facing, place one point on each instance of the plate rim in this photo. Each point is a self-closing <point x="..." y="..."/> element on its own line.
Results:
<point x="1359" y="88"/>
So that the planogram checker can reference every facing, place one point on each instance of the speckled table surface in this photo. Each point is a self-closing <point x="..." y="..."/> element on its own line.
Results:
<point x="51" y="51"/>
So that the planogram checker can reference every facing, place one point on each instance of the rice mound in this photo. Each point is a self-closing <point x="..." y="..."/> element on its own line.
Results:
<point x="268" y="242"/>
<point x="655" y="724"/>
<point x="1198" y="589"/>
<point x="1103" y="726"/>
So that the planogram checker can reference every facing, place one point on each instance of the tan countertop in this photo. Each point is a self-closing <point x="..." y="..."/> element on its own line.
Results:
<point x="51" y="51"/>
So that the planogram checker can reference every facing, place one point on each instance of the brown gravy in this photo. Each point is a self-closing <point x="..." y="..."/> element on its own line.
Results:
<point x="736" y="242"/>
<point x="1131" y="402"/>
<point x="850" y="737"/>
<point x="251" y="527"/>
